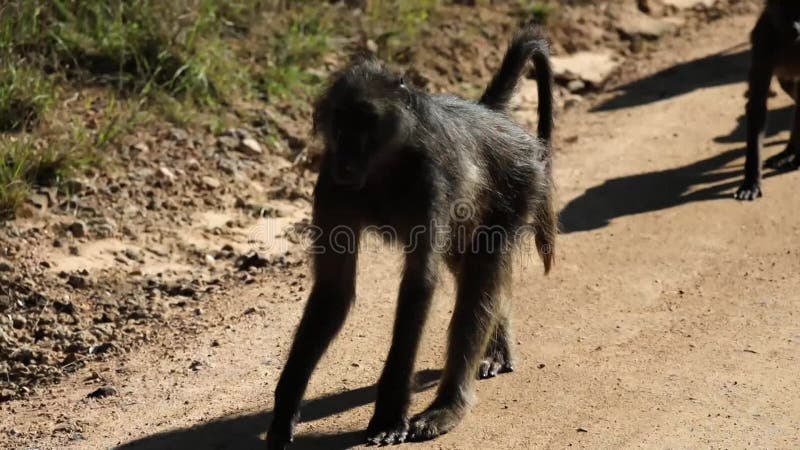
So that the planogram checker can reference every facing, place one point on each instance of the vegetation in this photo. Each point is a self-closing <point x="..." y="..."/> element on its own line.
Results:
<point x="169" y="59"/>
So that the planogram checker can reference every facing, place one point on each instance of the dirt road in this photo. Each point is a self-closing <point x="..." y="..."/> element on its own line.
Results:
<point x="672" y="318"/>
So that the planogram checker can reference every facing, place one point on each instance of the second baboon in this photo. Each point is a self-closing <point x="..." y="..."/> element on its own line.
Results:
<point x="776" y="51"/>
<point x="397" y="156"/>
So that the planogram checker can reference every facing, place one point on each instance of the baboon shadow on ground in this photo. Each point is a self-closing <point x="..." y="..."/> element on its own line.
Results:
<point x="704" y="180"/>
<point x="242" y="432"/>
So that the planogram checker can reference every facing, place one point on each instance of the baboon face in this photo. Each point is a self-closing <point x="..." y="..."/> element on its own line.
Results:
<point x="361" y="118"/>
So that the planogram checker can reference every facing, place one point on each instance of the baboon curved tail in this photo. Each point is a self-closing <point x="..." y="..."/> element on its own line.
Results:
<point x="528" y="43"/>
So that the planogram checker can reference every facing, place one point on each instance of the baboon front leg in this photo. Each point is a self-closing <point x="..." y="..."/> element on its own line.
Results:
<point x="756" y="112"/>
<point x="389" y="423"/>
<point x="325" y="312"/>
<point x="498" y="357"/>
<point x="470" y="330"/>
<point x="789" y="158"/>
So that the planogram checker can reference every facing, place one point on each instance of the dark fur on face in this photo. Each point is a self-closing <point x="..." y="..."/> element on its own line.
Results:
<point x="398" y="157"/>
<point x="776" y="51"/>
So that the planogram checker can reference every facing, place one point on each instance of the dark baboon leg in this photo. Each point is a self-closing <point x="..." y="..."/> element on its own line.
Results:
<point x="389" y="423"/>
<point x="325" y="312"/>
<point x="473" y="321"/>
<point x="498" y="357"/>
<point x="759" y="80"/>
<point x="790" y="157"/>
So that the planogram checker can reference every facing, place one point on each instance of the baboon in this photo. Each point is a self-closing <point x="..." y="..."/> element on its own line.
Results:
<point x="776" y="51"/>
<point x="400" y="157"/>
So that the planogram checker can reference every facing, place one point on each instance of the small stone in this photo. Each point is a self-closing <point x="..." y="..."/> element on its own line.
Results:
<point x="249" y="311"/>
<point x="192" y="164"/>
<point x="167" y="175"/>
<point x="178" y="134"/>
<point x="77" y="228"/>
<point x="140" y="148"/>
<point x="195" y="365"/>
<point x="252" y="260"/>
<point x="74" y="251"/>
<point x="101" y="392"/>
<point x="5" y="266"/>
<point x="132" y="254"/>
<point x="18" y="322"/>
<point x="372" y="46"/>
<point x="576" y="85"/>
<point x="251" y="147"/>
<point x="78" y="282"/>
<point x="211" y="182"/>
<point x="227" y="142"/>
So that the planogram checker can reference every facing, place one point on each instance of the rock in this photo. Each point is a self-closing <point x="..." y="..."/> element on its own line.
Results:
<point x="101" y="392"/>
<point x="684" y="4"/>
<point x="5" y="266"/>
<point x="195" y="365"/>
<point x="227" y="142"/>
<point x="74" y="185"/>
<point x="139" y="148"/>
<point x="238" y="133"/>
<point x="249" y="311"/>
<point x="166" y="175"/>
<point x="132" y="254"/>
<point x="192" y="164"/>
<point x="211" y="182"/>
<point x="78" y="282"/>
<point x="253" y="259"/>
<point x="77" y="228"/>
<point x="251" y="147"/>
<point x="18" y="322"/>
<point x="372" y="46"/>
<point x="178" y="134"/>
<point x="632" y="22"/>
<point x="591" y="67"/>
<point x="38" y="200"/>
<point x="103" y="227"/>
<point x="576" y="85"/>
<point x="227" y="166"/>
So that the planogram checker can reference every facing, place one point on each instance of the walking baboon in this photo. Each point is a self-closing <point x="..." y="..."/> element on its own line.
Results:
<point x="776" y="51"/>
<point x="397" y="156"/>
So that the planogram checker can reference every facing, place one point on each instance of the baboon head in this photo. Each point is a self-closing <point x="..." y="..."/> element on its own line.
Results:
<point x="362" y="117"/>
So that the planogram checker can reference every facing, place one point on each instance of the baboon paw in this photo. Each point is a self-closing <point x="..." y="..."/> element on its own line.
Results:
<point x="433" y="422"/>
<point x="748" y="191"/>
<point x="786" y="160"/>
<point x="491" y="366"/>
<point x="278" y="441"/>
<point x="383" y="432"/>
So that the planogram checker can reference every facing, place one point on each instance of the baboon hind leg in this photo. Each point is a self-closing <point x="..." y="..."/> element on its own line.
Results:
<point x="498" y="356"/>
<point x="473" y="321"/>
<point x="789" y="158"/>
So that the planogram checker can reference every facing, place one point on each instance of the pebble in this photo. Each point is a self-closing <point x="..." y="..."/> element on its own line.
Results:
<point x="77" y="228"/>
<point x="251" y="147"/>
<point x="211" y="182"/>
<point x="101" y="392"/>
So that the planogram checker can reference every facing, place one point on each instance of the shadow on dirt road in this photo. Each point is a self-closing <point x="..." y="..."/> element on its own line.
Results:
<point x="722" y="68"/>
<point x="242" y="432"/>
<point x="708" y="179"/>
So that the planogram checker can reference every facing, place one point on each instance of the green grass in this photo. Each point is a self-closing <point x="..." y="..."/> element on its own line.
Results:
<point x="539" y="12"/>
<point x="178" y="60"/>
<point x="295" y="51"/>
<point x="24" y="95"/>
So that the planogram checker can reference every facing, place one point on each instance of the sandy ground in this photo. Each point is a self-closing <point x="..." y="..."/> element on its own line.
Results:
<point x="672" y="318"/>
